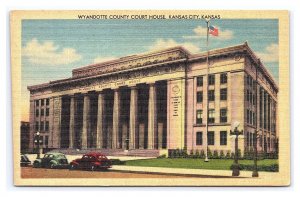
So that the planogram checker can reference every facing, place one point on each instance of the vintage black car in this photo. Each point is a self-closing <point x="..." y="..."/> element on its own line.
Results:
<point x="24" y="160"/>
<point x="52" y="160"/>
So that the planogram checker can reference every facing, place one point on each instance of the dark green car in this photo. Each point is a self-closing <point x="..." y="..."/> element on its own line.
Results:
<point x="51" y="160"/>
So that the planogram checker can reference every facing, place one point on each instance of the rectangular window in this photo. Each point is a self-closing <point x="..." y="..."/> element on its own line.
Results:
<point x="42" y="112"/>
<point x="37" y="126"/>
<point x="47" y="102"/>
<point x="42" y="126"/>
<point x="211" y="95"/>
<point x="199" y="81"/>
<point x="248" y="97"/>
<point x="223" y="94"/>
<point x="223" y="115"/>
<point x="42" y="102"/>
<point x="199" y="97"/>
<point x="47" y="126"/>
<point x="47" y="111"/>
<point x="37" y="113"/>
<point x="223" y="77"/>
<point x="37" y="103"/>
<point x="211" y="80"/>
<point x="199" y="138"/>
<point x="223" y="137"/>
<point x="211" y="138"/>
<point x="211" y="116"/>
<point x="46" y="141"/>
<point x="199" y="117"/>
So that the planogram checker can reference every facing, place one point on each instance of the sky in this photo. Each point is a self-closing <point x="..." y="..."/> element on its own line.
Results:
<point x="52" y="48"/>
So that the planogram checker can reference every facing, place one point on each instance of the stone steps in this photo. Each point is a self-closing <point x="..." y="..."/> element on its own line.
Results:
<point x="111" y="152"/>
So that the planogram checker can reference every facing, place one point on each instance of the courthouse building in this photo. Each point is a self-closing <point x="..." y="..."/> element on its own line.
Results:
<point x="157" y="101"/>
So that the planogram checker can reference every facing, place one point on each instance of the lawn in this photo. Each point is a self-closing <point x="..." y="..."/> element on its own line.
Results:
<point x="215" y="164"/>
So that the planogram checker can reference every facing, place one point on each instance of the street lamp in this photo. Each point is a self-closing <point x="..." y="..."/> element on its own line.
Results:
<point x="37" y="141"/>
<point x="236" y="132"/>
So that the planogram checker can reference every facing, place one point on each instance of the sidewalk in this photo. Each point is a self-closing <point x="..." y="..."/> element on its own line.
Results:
<point x="186" y="172"/>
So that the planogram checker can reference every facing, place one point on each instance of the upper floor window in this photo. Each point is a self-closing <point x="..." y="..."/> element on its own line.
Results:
<point x="199" y="97"/>
<point x="223" y="94"/>
<point x="223" y="77"/>
<point x="47" y="102"/>
<point x="42" y="102"/>
<point x="223" y="115"/>
<point x="211" y="79"/>
<point x="199" y="81"/>
<point x="199" y="138"/>
<point x="211" y="95"/>
<point x="47" y="126"/>
<point x="37" y="103"/>
<point x="37" y="112"/>
<point x="47" y="111"/>
<point x="37" y="126"/>
<point x="199" y="117"/>
<point x="42" y="112"/>
<point x="211" y="116"/>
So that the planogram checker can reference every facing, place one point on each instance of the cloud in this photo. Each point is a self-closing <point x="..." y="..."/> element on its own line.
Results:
<point x="46" y="53"/>
<point x="201" y="32"/>
<point x="160" y="44"/>
<point x="270" y="54"/>
<point x="100" y="59"/>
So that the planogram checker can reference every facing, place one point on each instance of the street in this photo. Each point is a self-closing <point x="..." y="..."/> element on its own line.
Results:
<point x="29" y="172"/>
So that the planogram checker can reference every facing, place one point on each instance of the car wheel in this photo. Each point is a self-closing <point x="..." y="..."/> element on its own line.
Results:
<point x="52" y="166"/>
<point x="93" y="168"/>
<point x="72" y="167"/>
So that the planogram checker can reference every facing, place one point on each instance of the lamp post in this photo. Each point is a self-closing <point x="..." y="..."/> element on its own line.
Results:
<point x="236" y="132"/>
<point x="37" y="141"/>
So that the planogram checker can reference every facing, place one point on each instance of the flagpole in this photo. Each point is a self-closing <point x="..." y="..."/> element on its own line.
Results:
<point x="207" y="86"/>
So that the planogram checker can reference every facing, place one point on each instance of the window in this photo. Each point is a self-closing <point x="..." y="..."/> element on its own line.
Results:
<point x="223" y="94"/>
<point x="223" y="115"/>
<point x="199" y="138"/>
<point x="46" y="141"/>
<point x="37" y="103"/>
<point x="42" y="102"/>
<point x="47" y="126"/>
<point x="42" y="112"/>
<point x="211" y="95"/>
<point x="223" y="137"/>
<point x="223" y="77"/>
<point x="36" y="125"/>
<point x="47" y="111"/>
<point x="42" y="126"/>
<point x="211" y="80"/>
<point x="211" y="138"/>
<point x="199" y="117"/>
<point x="199" y="97"/>
<point x="211" y="116"/>
<point x="47" y="102"/>
<point x="37" y="113"/>
<point x="199" y="81"/>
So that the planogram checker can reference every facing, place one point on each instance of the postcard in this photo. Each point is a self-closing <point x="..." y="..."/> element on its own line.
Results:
<point x="150" y="98"/>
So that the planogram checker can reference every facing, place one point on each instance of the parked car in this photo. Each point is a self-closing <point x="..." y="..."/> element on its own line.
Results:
<point x="51" y="160"/>
<point x="24" y="160"/>
<point x="91" y="161"/>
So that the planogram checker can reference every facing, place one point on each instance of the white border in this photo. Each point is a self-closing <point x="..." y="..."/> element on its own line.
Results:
<point x="6" y="178"/>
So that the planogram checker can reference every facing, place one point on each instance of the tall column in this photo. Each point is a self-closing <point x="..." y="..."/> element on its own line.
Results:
<point x="263" y="118"/>
<point x="133" y="117"/>
<point x="152" y="116"/>
<point x="100" y="116"/>
<point x="86" y="120"/>
<point x="72" y="122"/>
<point x="116" y="119"/>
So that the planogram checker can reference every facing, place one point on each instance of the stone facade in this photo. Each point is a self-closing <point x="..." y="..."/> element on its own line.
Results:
<point x="160" y="101"/>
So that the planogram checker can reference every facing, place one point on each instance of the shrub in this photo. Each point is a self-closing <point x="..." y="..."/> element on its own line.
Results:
<point x="215" y="155"/>
<point x="202" y="154"/>
<point x="222" y="156"/>
<point x="269" y="168"/>
<point x="162" y="156"/>
<point x="117" y="162"/>
<point x="192" y="153"/>
<point x="209" y="154"/>
<point x="227" y="155"/>
<point x="197" y="155"/>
